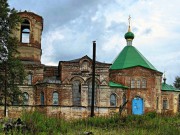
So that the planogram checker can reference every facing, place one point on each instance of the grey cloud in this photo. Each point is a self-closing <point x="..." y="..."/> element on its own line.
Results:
<point x="117" y="27"/>
<point x="78" y="39"/>
<point x="147" y="31"/>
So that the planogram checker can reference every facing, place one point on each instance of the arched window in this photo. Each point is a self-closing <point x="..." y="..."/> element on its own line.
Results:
<point x="113" y="100"/>
<point x="55" y="98"/>
<point x="165" y="104"/>
<point x="42" y="98"/>
<point x="138" y="83"/>
<point x="144" y="83"/>
<point x="25" y="31"/>
<point x="76" y="93"/>
<point x="124" y="98"/>
<point x="132" y="83"/>
<point x="25" y="98"/>
<point x="90" y="93"/>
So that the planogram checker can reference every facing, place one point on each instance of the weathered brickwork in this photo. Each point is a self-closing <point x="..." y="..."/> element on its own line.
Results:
<point x="30" y="50"/>
<point x="65" y="90"/>
<point x="149" y="93"/>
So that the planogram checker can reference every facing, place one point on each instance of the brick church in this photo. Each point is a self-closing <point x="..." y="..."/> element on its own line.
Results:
<point x="66" y="90"/>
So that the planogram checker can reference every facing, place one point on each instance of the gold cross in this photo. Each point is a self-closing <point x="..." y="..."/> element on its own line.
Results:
<point x="129" y="19"/>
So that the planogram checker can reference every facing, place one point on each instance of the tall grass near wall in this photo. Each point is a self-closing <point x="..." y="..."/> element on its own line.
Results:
<point x="150" y="123"/>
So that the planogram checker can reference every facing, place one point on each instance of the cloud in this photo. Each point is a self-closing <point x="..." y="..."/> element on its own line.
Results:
<point x="70" y="27"/>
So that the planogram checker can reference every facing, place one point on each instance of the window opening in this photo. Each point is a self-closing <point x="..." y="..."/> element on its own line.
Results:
<point x="25" y="98"/>
<point x="165" y="104"/>
<point x="29" y="79"/>
<point x="113" y="100"/>
<point x="90" y="93"/>
<point x="138" y="83"/>
<point x="55" y="98"/>
<point x="157" y="103"/>
<point x="85" y="65"/>
<point x="76" y="93"/>
<point x="132" y="83"/>
<point x="144" y="83"/>
<point x="124" y="99"/>
<point x="25" y="31"/>
<point x="42" y="98"/>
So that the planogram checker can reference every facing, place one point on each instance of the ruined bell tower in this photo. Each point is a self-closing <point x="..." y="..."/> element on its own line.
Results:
<point x="29" y="35"/>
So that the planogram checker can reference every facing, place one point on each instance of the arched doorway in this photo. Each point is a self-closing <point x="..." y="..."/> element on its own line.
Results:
<point x="137" y="106"/>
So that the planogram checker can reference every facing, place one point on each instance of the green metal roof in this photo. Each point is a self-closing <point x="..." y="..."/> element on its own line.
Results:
<point x="117" y="85"/>
<point x="130" y="57"/>
<point x="167" y="87"/>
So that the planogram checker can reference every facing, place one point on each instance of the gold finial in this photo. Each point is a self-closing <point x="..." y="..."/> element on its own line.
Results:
<point x="129" y="19"/>
<point x="164" y="77"/>
<point x="164" y="74"/>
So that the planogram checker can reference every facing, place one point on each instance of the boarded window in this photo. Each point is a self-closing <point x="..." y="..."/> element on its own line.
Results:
<point x="113" y="100"/>
<point x="144" y="83"/>
<point x="138" y="83"/>
<point x="25" y="31"/>
<point x="55" y="98"/>
<point x="76" y="93"/>
<point x="132" y="83"/>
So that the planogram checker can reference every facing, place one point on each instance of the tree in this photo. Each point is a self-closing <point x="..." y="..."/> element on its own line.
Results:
<point x="177" y="82"/>
<point x="12" y="71"/>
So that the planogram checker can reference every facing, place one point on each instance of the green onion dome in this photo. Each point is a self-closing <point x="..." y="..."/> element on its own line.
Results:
<point x="129" y="35"/>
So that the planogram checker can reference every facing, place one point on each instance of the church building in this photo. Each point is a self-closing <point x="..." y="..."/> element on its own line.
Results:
<point x="130" y="83"/>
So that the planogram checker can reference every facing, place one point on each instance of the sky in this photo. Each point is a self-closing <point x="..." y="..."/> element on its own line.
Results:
<point x="70" y="27"/>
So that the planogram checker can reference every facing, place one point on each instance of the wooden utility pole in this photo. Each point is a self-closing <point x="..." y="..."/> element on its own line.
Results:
<point x="93" y="78"/>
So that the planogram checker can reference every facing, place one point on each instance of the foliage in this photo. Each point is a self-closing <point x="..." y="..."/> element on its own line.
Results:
<point x="150" y="123"/>
<point x="11" y="68"/>
<point x="177" y="82"/>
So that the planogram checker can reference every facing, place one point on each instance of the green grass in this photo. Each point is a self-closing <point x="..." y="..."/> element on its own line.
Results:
<point x="148" y="124"/>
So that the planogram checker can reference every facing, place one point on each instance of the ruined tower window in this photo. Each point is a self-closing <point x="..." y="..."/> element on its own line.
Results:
<point x="113" y="100"/>
<point x="55" y="98"/>
<point x="25" y="31"/>
<point x="138" y="83"/>
<point x="165" y="104"/>
<point x="29" y="77"/>
<point x="144" y="83"/>
<point x="42" y="98"/>
<point x="76" y="91"/>
<point x="25" y="98"/>
<point x="90" y="93"/>
<point x="132" y="83"/>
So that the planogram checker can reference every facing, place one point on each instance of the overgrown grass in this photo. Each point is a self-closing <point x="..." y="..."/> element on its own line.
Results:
<point x="150" y="124"/>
